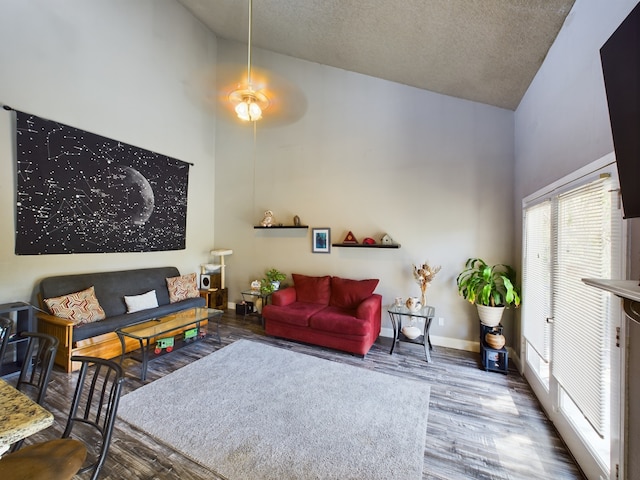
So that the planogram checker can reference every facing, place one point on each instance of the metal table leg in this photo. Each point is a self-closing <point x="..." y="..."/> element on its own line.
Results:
<point x="395" y="332"/>
<point x="121" y="337"/>
<point x="145" y="359"/>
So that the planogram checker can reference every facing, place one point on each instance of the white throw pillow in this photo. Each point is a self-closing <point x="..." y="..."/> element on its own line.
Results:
<point x="136" y="303"/>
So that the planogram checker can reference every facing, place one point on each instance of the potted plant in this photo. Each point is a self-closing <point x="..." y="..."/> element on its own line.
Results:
<point x="490" y="287"/>
<point x="271" y="281"/>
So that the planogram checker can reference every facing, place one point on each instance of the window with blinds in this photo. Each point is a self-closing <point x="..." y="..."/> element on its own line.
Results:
<point x="536" y="285"/>
<point x="569" y="236"/>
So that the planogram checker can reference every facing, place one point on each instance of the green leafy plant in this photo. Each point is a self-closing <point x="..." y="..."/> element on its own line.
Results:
<point x="271" y="276"/>
<point x="274" y="275"/>
<point x="490" y="285"/>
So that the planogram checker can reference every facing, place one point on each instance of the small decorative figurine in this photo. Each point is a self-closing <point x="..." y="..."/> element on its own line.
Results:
<point x="386" y="240"/>
<point x="267" y="221"/>
<point x="296" y="221"/>
<point x="350" y="238"/>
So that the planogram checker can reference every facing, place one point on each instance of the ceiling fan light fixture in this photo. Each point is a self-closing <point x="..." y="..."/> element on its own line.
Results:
<point x="249" y="104"/>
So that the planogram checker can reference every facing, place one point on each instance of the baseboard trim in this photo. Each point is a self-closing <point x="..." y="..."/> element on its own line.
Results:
<point x="446" y="342"/>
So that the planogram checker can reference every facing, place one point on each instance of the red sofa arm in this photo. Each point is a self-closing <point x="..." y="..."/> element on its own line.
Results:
<point x="283" y="297"/>
<point x="370" y="308"/>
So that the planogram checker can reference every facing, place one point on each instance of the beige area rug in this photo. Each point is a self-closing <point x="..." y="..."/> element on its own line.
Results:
<point x="253" y="411"/>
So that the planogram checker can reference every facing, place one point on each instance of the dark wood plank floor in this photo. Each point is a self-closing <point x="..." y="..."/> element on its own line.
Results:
<point x="482" y="425"/>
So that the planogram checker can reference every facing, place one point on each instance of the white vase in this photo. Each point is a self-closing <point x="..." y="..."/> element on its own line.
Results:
<point x="490" y="316"/>
<point x="411" y="332"/>
<point x="413" y="304"/>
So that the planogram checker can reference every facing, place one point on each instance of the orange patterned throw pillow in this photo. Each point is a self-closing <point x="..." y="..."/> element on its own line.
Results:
<point x="182" y="287"/>
<point x="79" y="307"/>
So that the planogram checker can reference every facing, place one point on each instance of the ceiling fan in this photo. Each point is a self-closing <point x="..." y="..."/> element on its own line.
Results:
<point x="248" y="102"/>
<point x="248" y="97"/>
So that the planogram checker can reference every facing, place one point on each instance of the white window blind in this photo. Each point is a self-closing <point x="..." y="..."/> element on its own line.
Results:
<point x="536" y="285"/>
<point x="584" y="248"/>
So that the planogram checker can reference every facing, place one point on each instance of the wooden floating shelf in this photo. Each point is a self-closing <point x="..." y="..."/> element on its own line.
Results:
<point x="364" y="245"/>
<point x="274" y="227"/>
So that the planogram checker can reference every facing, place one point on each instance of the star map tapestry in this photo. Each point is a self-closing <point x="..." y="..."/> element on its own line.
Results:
<point x="78" y="192"/>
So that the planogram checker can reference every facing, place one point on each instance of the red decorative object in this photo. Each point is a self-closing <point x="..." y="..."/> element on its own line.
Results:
<point x="369" y="241"/>
<point x="350" y="238"/>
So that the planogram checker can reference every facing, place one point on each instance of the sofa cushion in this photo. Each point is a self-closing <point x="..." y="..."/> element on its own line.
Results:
<point x="340" y="321"/>
<point x="135" y="303"/>
<point x="79" y="307"/>
<point x="182" y="287"/>
<point x="347" y="293"/>
<point x="111" y="324"/>
<point x="111" y="287"/>
<point x="297" y="313"/>
<point x="312" y="289"/>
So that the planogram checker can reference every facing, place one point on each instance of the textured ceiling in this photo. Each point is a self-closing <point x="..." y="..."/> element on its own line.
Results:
<point x="482" y="50"/>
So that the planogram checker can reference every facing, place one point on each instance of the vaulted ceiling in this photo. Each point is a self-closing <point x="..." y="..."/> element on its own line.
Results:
<point x="482" y="50"/>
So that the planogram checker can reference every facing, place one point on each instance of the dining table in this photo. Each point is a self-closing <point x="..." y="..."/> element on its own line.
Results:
<point x="20" y="416"/>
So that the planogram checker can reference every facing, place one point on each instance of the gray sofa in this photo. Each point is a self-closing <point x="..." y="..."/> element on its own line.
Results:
<point x="99" y="338"/>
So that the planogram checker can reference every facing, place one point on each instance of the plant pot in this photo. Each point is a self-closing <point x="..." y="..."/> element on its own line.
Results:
<point x="490" y="316"/>
<point x="495" y="340"/>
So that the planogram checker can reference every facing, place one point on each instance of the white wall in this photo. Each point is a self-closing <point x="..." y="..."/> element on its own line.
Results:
<point x="562" y="122"/>
<point x="121" y="69"/>
<point x="372" y="157"/>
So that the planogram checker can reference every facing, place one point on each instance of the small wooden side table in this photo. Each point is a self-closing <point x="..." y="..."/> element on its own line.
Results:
<point x="216" y="297"/>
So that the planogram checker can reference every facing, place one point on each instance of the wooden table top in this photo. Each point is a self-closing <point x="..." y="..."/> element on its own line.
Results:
<point x="19" y="416"/>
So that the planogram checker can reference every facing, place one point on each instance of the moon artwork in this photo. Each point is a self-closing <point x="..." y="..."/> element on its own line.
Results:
<point x="78" y="192"/>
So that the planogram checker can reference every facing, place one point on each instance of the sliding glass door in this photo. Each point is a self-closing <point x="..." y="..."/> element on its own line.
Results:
<point x="573" y="231"/>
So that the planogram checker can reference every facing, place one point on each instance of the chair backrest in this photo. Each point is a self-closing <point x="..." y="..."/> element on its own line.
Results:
<point x="94" y="407"/>
<point x="5" y="331"/>
<point x="36" y="370"/>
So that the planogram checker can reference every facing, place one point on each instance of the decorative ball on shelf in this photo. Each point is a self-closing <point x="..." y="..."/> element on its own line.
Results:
<point x="495" y="340"/>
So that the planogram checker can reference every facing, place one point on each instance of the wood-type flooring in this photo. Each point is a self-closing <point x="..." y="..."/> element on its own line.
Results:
<point x="482" y="425"/>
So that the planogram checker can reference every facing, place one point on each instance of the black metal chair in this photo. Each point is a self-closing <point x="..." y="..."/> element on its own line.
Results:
<point x="5" y="332"/>
<point x="36" y="370"/>
<point x="95" y="405"/>
<point x="91" y="418"/>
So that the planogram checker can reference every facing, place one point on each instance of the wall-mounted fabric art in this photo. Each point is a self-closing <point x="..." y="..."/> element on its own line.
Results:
<point x="78" y="192"/>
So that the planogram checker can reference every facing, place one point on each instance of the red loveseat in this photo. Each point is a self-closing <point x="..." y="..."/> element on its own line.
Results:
<point x="328" y="311"/>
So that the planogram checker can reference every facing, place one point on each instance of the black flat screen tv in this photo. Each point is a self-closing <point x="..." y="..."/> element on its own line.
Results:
<point x="620" y="57"/>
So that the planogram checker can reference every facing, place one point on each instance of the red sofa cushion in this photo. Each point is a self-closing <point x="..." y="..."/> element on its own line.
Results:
<point x="347" y="293"/>
<point x="297" y="313"/>
<point x="312" y="289"/>
<point x="339" y="321"/>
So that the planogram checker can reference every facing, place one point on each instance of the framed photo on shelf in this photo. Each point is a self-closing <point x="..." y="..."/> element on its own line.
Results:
<point x="321" y="240"/>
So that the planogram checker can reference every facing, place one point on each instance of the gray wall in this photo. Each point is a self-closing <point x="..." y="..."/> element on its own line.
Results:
<point x="562" y="123"/>
<point x="124" y="70"/>
<point x="372" y="157"/>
